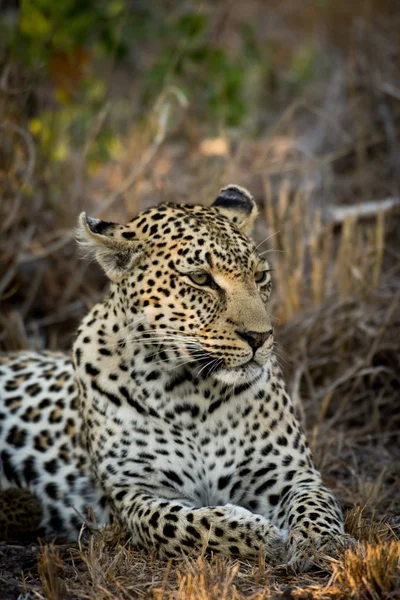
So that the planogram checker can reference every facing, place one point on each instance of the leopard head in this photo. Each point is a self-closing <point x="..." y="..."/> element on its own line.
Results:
<point x="189" y="278"/>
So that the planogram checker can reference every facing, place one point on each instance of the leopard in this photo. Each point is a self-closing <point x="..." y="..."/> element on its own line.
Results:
<point x="172" y="415"/>
<point x="20" y="514"/>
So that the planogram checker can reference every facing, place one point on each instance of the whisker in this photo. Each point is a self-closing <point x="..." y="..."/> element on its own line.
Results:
<point x="178" y="364"/>
<point x="281" y="357"/>
<point x="270" y="250"/>
<point x="157" y="338"/>
<point x="155" y="341"/>
<point x="206" y="365"/>
<point x="198" y="355"/>
<point x="266" y="239"/>
<point x="218" y="362"/>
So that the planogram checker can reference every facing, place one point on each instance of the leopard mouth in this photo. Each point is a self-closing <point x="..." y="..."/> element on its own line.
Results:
<point x="247" y="374"/>
<point x="210" y="366"/>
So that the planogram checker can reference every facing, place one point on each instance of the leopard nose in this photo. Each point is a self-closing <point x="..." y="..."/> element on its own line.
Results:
<point x="255" y="339"/>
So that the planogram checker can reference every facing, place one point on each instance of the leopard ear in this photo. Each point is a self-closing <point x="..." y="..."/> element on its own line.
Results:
<point x="114" y="246"/>
<point x="238" y="205"/>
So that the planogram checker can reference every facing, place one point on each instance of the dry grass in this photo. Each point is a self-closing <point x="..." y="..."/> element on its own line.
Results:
<point x="371" y="571"/>
<point x="336" y="301"/>
<point x="107" y="567"/>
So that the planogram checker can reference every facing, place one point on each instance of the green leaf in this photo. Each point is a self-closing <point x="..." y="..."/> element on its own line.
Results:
<point x="34" y="24"/>
<point x="192" y="25"/>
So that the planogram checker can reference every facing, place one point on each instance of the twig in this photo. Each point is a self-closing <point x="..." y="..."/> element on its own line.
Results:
<point x="373" y="436"/>
<point x="30" y="148"/>
<point x="11" y="271"/>
<point x="74" y="307"/>
<point x="32" y="291"/>
<point x="81" y="159"/>
<point x="384" y="326"/>
<point x="46" y="251"/>
<point x="74" y="284"/>
<point x="390" y="89"/>
<point x="364" y="210"/>
<point x="163" y="107"/>
<point x="350" y="373"/>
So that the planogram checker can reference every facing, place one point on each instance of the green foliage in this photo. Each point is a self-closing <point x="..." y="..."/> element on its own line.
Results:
<point x="46" y="26"/>
<point x="61" y="43"/>
<point x="72" y="45"/>
<point x="212" y="76"/>
<point x="302" y="67"/>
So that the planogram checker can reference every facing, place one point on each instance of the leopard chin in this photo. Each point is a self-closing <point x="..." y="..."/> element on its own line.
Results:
<point x="244" y="374"/>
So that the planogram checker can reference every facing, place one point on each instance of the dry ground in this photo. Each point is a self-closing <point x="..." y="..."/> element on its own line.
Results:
<point x="336" y="303"/>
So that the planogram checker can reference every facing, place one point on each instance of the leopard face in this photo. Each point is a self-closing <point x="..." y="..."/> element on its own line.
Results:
<point x="189" y="279"/>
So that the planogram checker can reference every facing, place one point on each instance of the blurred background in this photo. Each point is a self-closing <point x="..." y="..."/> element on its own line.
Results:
<point x="110" y="106"/>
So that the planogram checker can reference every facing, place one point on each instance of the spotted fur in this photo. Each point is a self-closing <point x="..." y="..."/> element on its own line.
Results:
<point x="185" y="426"/>
<point x="20" y="514"/>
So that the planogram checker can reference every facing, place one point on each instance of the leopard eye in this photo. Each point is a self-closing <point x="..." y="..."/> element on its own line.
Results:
<point x="260" y="277"/>
<point x="201" y="278"/>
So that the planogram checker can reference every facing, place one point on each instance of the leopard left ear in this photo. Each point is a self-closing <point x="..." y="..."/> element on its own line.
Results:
<point x="114" y="246"/>
<point x="238" y="205"/>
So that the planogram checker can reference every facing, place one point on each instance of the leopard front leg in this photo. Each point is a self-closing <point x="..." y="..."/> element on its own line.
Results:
<point x="173" y="527"/>
<point x="314" y="519"/>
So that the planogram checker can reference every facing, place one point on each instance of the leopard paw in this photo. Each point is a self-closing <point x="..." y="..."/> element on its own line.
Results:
<point x="307" y="551"/>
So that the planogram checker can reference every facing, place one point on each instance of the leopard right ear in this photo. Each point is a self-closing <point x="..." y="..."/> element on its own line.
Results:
<point x="114" y="246"/>
<point x="238" y="205"/>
